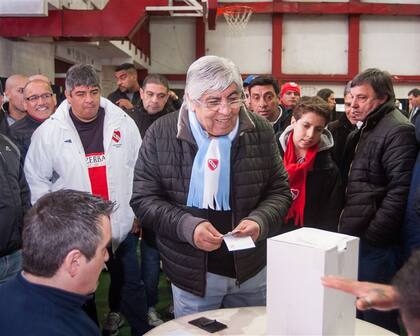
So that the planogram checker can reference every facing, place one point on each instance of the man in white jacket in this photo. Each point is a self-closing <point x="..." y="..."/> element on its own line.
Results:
<point x="89" y="144"/>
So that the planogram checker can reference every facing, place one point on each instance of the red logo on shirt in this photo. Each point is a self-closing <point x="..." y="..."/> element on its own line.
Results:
<point x="295" y="193"/>
<point x="116" y="136"/>
<point x="212" y="163"/>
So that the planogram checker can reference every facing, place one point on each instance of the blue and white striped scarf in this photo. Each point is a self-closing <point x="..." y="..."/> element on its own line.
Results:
<point x="210" y="176"/>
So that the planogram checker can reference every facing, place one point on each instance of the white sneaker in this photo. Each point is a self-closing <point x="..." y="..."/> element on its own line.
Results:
<point x="153" y="317"/>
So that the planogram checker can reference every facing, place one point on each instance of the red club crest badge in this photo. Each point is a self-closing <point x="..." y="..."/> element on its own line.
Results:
<point x="295" y="193"/>
<point x="116" y="137"/>
<point x="213" y="164"/>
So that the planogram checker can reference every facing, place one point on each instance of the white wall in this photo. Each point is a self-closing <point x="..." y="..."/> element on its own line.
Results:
<point x="172" y="44"/>
<point x="315" y="44"/>
<point x="390" y="43"/>
<point x="250" y="50"/>
<point x="26" y="58"/>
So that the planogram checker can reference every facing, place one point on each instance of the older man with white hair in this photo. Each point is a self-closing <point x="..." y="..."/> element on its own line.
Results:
<point x="207" y="170"/>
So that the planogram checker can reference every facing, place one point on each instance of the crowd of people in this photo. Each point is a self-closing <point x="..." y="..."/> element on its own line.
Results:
<point x="248" y="158"/>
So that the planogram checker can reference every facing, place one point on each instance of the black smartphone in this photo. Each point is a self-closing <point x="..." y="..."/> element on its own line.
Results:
<point x="210" y="325"/>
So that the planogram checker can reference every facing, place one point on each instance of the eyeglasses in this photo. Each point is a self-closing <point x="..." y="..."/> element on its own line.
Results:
<point x="35" y="98"/>
<point x="216" y="104"/>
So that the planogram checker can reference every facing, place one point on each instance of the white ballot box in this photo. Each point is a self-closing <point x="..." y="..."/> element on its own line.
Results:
<point x="297" y="303"/>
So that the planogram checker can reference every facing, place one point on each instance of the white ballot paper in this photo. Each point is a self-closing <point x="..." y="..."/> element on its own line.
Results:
<point x="235" y="243"/>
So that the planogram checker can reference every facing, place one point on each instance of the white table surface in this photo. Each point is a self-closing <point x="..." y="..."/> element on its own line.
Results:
<point x="242" y="321"/>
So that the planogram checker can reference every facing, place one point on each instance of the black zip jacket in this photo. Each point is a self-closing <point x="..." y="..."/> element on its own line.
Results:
<point x="259" y="192"/>
<point x="384" y="152"/>
<point x="14" y="197"/>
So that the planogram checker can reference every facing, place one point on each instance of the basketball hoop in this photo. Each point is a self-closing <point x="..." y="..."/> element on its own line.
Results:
<point x="236" y="17"/>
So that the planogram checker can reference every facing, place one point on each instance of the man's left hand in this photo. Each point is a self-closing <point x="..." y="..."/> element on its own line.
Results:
<point x="248" y="228"/>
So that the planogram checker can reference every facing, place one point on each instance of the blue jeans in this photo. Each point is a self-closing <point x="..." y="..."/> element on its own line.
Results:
<point x="10" y="265"/>
<point x="223" y="292"/>
<point x="127" y="293"/>
<point x="378" y="264"/>
<point x="150" y="269"/>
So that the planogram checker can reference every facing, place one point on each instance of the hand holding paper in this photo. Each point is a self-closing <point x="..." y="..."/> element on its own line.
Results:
<point x="206" y="237"/>
<point x="247" y="228"/>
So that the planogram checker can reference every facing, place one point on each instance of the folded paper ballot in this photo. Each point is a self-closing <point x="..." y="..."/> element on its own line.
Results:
<point x="297" y="303"/>
<point x="235" y="243"/>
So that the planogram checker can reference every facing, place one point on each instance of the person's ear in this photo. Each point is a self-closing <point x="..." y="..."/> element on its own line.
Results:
<point x="68" y="96"/>
<point x="293" y="121"/>
<point x="72" y="262"/>
<point x="141" y="93"/>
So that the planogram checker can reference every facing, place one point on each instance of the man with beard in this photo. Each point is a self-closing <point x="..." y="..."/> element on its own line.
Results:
<point x="127" y="94"/>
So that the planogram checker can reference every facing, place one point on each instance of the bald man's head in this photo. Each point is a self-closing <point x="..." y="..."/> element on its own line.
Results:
<point x="14" y="92"/>
<point x="40" y="77"/>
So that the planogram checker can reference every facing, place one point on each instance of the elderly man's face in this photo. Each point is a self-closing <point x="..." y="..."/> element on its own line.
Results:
<point x="217" y="112"/>
<point x="39" y="100"/>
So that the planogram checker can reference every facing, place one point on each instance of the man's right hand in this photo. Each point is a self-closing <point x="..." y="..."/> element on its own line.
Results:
<point x="124" y="103"/>
<point x="206" y="237"/>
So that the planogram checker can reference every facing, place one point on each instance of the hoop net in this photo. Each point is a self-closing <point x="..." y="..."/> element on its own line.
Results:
<point x="237" y="17"/>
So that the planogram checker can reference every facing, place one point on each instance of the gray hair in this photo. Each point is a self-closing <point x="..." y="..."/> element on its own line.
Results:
<point x="81" y="75"/>
<point x="211" y="73"/>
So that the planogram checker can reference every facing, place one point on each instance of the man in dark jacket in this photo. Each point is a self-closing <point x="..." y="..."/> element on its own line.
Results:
<point x="153" y="105"/>
<point x="210" y="169"/>
<point x="290" y="94"/>
<point x="14" y="201"/>
<point x="13" y="108"/>
<point x="154" y="102"/>
<point x="383" y="152"/>
<point x="341" y="128"/>
<point x="65" y="239"/>
<point x="127" y="94"/>
<point x="39" y="102"/>
<point x="264" y="100"/>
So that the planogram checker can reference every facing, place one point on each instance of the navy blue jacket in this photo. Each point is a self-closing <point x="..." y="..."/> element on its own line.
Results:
<point x="35" y="310"/>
